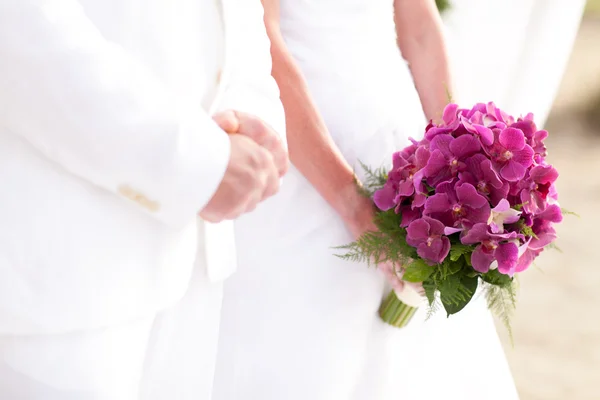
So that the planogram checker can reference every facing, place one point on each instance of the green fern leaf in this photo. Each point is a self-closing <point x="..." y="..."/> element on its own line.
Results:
<point x="418" y="271"/>
<point x="458" y="250"/>
<point x="502" y="302"/>
<point x="567" y="212"/>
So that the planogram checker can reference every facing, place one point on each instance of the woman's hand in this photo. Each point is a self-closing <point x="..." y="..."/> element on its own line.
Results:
<point x="358" y="216"/>
<point x="357" y="212"/>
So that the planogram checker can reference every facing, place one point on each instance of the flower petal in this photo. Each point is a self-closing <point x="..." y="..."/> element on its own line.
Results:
<point x="437" y="203"/>
<point x="406" y="188"/>
<point x="526" y="260"/>
<point x="543" y="239"/>
<point x="526" y="126"/>
<point x="524" y="156"/>
<point x="478" y="215"/>
<point x="464" y="146"/>
<point x="502" y="206"/>
<point x="485" y="133"/>
<point x="436" y="252"/>
<point x="481" y="259"/>
<point x="384" y="198"/>
<point x="476" y="234"/>
<point x="552" y="213"/>
<point x="468" y="195"/>
<point x="473" y="165"/>
<point x="507" y="255"/>
<point x="436" y="163"/>
<point x="442" y="248"/>
<point x="451" y="231"/>
<point x="489" y="174"/>
<point x="422" y="157"/>
<point x="427" y="253"/>
<point x="449" y="114"/>
<point x="417" y="232"/>
<point x="498" y="194"/>
<point x="513" y="171"/>
<point x="543" y="174"/>
<point x="435" y="226"/>
<point x="512" y="139"/>
<point x="398" y="160"/>
<point x="419" y="200"/>
<point x="442" y="143"/>
<point x="409" y="215"/>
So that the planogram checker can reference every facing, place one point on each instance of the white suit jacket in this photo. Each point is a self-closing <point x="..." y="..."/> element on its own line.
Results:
<point x="106" y="154"/>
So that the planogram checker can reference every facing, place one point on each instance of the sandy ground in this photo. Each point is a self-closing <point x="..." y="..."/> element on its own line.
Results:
<point x="557" y="325"/>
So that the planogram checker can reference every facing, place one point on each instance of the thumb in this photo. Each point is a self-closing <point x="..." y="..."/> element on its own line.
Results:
<point x="228" y="121"/>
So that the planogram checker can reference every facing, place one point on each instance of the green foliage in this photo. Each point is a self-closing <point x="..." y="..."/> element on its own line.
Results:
<point x="386" y="245"/>
<point x="519" y="207"/>
<point x="502" y="301"/>
<point x="527" y="231"/>
<point x="463" y="294"/>
<point x="567" y="212"/>
<point x="430" y="288"/>
<point x="452" y="283"/>
<point x="418" y="271"/>
<point x="442" y="5"/>
<point x="553" y="246"/>
<point x="458" y="250"/>
<point x="494" y="277"/>
<point x="374" y="179"/>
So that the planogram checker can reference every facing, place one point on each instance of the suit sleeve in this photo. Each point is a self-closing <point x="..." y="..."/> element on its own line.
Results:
<point x="88" y="105"/>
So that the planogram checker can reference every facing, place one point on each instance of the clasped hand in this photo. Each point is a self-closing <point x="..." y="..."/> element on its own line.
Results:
<point x="257" y="162"/>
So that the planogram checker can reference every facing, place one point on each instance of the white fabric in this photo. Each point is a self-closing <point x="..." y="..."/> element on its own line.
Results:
<point x="512" y="52"/>
<point x="107" y="154"/>
<point x="299" y="323"/>
<point x="169" y="355"/>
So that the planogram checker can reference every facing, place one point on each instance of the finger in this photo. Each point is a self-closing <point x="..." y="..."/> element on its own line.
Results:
<point x="398" y="285"/>
<point x="248" y="206"/>
<point x="390" y="272"/>
<point x="271" y="178"/>
<point x="265" y="136"/>
<point x="272" y="186"/>
<point x="254" y="128"/>
<point x="280" y="157"/>
<point x="208" y="217"/>
<point x="228" y="121"/>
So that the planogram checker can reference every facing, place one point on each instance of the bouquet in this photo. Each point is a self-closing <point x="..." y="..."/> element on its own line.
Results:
<point x="472" y="204"/>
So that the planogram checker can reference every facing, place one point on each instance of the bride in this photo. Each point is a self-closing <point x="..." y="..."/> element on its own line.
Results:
<point x="299" y="323"/>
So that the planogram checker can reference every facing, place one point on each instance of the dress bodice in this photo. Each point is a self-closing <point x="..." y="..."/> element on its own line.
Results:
<point x="348" y="53"/>
<point x="338" y="27"/>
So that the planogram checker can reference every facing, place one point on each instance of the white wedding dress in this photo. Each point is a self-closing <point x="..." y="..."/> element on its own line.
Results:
<point x="531" y="52"/>
<point x="301" y="324"/>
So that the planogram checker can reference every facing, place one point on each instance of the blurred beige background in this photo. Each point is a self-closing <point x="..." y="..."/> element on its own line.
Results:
<point x="557" y="325"/>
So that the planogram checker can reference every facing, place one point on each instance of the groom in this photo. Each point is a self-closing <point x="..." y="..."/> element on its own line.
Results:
<point x="114" y="130"/>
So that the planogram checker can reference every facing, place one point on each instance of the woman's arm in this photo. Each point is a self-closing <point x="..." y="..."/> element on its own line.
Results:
<point x="312" y="151"/>
<point x="420" y="38"/>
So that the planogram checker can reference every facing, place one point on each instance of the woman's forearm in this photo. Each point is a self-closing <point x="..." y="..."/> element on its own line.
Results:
<point x="420" y="38"/>
<point x="312" y="151"/>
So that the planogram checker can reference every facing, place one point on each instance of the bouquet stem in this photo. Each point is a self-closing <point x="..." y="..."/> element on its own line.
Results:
<point x="396" y="313"/>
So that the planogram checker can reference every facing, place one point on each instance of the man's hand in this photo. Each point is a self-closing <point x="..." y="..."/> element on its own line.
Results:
<point x="251" y="177"/>
<point x="256" y="129"/>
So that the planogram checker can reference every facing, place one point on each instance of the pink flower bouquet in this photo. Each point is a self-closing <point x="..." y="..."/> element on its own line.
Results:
<point x="471" y="204"/>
